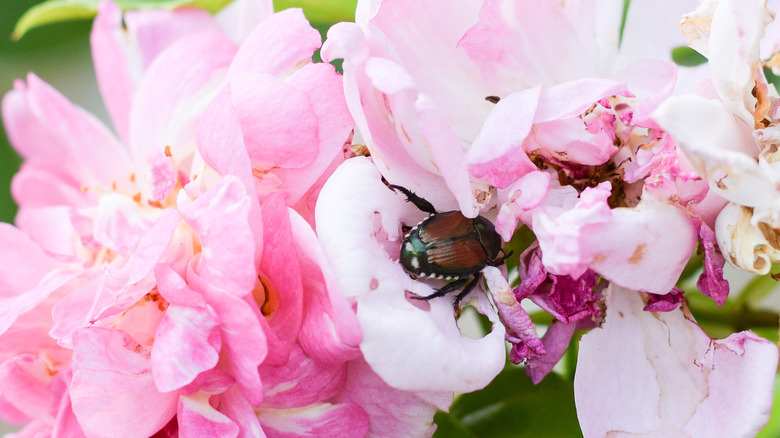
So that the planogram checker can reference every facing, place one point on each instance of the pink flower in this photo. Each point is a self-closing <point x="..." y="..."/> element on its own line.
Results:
<point x="525" y="112"/>
<point x="168" y="280"/>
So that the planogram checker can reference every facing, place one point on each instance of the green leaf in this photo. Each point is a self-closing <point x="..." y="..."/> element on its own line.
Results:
<point x="55" y="11"/>
<point x="511" y="406"/>
<point x="686" y="57"/>
<point x="772" y="429"/>
<point x="321" y="11"/>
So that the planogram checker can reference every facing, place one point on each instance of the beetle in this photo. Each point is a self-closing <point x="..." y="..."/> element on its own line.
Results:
<point x="449" y="246"/>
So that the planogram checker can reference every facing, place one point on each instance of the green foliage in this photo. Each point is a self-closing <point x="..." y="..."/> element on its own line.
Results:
<point x="321" y="11"/>
<point x="772" y="429"/>
<point x="55" y="11"/>
<point x="686" y="57"/>
<point x="772" y="78"/>
<point x="511" y="406"/>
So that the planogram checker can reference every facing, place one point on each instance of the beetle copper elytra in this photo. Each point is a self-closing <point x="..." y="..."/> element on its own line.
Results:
<point x="449" y="246"/>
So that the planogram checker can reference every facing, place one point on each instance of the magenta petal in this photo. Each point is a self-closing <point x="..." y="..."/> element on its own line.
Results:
<point x="711" y="282"/>
<point x="187" y="342"/>
<point x="113" y="387"/>
<point x="556" y="341"/>
<point x="659" y="374"/>
<point x="197" y="418"/>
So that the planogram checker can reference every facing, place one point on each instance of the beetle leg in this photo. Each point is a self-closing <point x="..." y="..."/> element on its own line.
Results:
<point x="499" y="262"/>
<point x="445" y="290"/>
<point x="419" y="202"/>
<point x="466" y="290"/>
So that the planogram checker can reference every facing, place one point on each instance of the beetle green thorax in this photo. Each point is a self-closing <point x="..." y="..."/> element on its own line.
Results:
<point x="490" y="240"/>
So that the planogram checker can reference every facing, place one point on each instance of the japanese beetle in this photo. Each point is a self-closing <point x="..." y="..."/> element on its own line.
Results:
<point x="449" y="246"/>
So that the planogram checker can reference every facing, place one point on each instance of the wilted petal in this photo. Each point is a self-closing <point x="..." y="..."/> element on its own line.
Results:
<point x="720" y="148"/>
<point x="743" y="244"/>
<point x="660" y="374"/>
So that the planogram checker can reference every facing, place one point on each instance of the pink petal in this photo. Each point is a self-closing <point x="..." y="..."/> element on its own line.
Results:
<point x="52" y="133"/>
<point x="330" y="331"/>
<point x="281" y="270"/>
<point x="392" y="412"/>
<point x="509" y="34"/>
<point x="389" y="138"/>
<point x="241" y="17"/>
<point x="197" y="418"/>
<point x="244" y="341"/>
<point x="654" y="237"/>
<point x="221" y="143"/>
<point x="277" y="120"/>
<point x="187" y="342"/>
<point x="659" y="374"/>
<point x="497" y="154"/>
<point x="323" y="88"/>
<point x="123" y="47"/>
<point x="526" y="193"/>
<point x="301" y="381"/>
<point x="321" y="420"/>
<point x="113" y="388"/>
<point x="233" y="404"/>
<point x="278" y="46"/>
<point x="220" y="218"/>
<point x="174" y="92"/>
<point x="25" y="382"/>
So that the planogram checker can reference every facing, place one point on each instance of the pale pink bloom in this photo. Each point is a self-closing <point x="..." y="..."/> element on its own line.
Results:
<point x="169" y="280"/>
<point x="729" y="130"/>
<point x="525" y="112"/>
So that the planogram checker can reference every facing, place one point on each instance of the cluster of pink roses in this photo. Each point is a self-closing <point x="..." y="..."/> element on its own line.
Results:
<point x="224" y="265"/>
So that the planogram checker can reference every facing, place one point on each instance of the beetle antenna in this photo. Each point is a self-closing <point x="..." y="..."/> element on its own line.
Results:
<point x="421" y="203"/>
